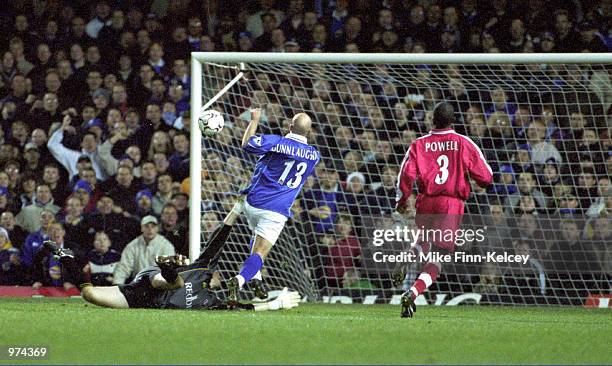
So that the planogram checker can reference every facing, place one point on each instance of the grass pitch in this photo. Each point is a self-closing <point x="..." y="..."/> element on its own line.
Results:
<point x="311" y="334"/>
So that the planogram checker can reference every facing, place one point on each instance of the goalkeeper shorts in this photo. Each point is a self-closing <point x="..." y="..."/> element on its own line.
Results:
<point x="265" y="223"/>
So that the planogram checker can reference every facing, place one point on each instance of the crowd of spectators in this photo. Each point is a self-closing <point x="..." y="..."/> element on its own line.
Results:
<point x="94" y="101"/>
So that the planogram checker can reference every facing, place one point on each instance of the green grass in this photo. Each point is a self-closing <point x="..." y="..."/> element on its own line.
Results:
<point x="313" y="334"/>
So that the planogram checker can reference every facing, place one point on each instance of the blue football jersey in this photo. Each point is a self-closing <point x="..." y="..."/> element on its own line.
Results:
<point x="281" y="171"/>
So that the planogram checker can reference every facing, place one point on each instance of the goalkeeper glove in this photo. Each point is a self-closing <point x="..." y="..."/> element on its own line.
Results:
<point x="285" y="300"/>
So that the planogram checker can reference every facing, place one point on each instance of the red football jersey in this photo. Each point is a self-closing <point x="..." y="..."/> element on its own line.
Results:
<point x="441" y="163"/>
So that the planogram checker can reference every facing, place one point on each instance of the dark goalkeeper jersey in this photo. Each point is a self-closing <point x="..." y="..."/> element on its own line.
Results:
<point x="194" y="295"/>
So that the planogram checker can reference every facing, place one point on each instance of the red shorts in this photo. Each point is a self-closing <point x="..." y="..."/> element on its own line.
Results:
<point x="441" y="214"/>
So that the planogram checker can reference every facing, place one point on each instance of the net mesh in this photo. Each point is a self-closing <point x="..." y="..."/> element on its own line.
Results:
<point x="544" y="129"/>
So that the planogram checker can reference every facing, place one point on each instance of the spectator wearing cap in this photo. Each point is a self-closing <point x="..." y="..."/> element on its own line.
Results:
<point x="174" y="230"/>
<point x="32" y="161"/>
<point x="101" y="100"/>
<point x="144" y="206"/>
<point x="88" y="175"/>
<point x="95" y="126"/>
<point x="68" y="157"/>
<point x="10" y="261"/>
<point x="592" y="40"/>
<point x="352" y="194"/>
<point x="29" y="217"/>
<point x="506" y="182"/>
<point x="547" y="42"/>
<point x="245" y="42"/>
<point x="82" y="190"/>
<point x="292" y="45"/>
<point x="18" y="235"/>
<point x="140" y="252"/>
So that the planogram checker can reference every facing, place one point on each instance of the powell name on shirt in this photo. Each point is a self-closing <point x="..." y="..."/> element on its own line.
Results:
<point x="442" y="146"/>
<point x="295" y="151"/>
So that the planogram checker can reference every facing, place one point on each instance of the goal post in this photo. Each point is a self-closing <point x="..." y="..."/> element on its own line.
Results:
<point x="366" y="109"/>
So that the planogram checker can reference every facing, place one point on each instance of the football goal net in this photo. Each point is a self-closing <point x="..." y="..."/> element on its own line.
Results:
<point x="542" y="122"/>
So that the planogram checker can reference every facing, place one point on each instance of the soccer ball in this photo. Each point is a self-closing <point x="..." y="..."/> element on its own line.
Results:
<point x="211" y="122"/>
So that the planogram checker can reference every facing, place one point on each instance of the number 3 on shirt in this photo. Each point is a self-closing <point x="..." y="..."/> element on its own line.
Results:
<point x="299" y="171"/>
<point x="442" y="176"/>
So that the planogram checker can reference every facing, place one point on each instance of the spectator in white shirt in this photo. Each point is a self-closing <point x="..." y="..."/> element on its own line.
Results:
<point x="140" y="253"/>
<point x="68" y="157"/>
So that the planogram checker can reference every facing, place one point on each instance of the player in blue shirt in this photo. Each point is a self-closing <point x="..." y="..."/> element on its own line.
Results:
<point x="282" y="169"/>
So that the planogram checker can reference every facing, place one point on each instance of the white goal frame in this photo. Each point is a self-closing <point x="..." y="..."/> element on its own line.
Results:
<point x="197" y="58"/>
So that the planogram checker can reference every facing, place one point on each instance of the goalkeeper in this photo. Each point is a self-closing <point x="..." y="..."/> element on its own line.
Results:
<point x="172" y="283"/>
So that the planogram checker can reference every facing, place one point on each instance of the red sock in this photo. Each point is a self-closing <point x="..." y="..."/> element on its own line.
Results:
<point x="425" y="279"/>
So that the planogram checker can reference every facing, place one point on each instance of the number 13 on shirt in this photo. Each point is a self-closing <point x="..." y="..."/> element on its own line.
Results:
<point x="295" y="181"/>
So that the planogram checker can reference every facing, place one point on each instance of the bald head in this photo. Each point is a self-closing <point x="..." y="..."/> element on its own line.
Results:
<point x="301" y="124"/>
<point x="444" y="115"/>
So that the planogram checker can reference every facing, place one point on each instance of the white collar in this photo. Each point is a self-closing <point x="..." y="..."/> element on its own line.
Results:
<point x="296" y="137"/>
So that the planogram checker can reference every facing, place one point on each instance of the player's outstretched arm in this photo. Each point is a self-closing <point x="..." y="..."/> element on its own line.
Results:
<point x="252" y="127"/>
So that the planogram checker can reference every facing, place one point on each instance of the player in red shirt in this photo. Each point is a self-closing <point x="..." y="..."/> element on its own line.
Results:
<point x="441" y="163"/>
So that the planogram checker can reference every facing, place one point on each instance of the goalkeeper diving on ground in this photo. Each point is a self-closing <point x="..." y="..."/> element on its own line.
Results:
<point x="172" y="283"/>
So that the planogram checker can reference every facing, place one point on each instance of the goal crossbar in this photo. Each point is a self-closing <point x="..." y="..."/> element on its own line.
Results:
<point x="403" y="58"/>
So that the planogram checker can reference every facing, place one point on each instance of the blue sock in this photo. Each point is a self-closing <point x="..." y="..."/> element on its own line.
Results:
<point x="251" y="266"/>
